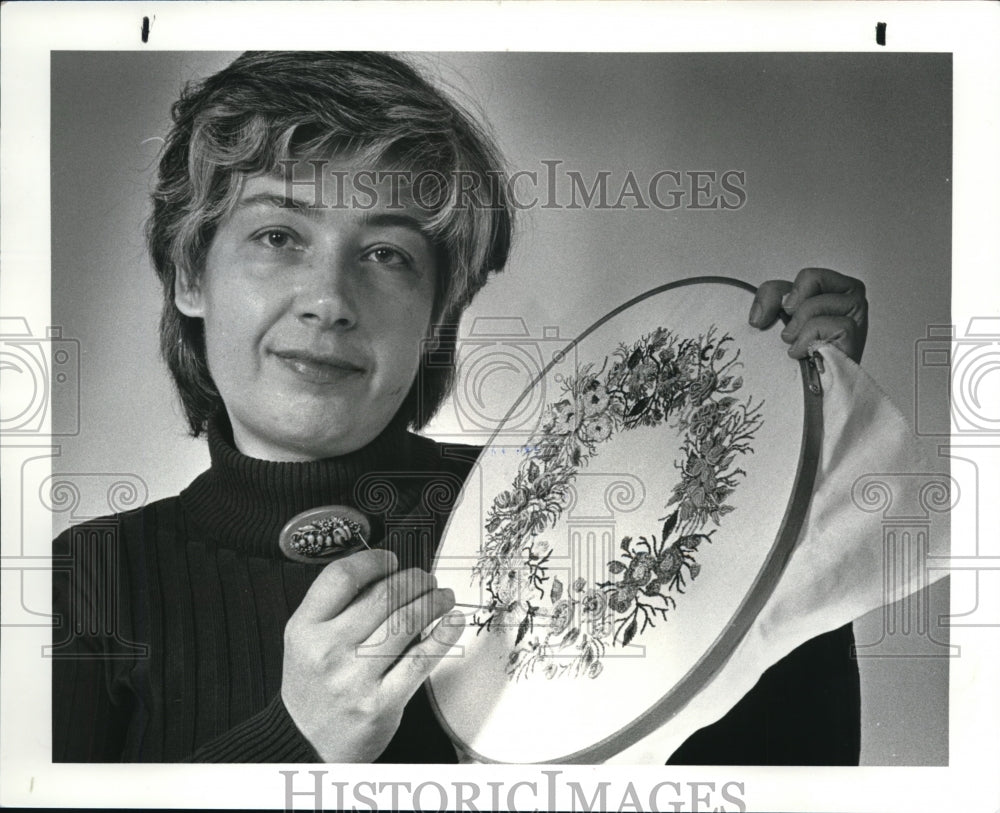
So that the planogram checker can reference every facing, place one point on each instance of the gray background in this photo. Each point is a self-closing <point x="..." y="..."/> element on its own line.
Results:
<point x="847" y="160"/>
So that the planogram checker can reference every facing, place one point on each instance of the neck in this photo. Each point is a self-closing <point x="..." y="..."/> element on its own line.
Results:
<point x="244" y="501"/>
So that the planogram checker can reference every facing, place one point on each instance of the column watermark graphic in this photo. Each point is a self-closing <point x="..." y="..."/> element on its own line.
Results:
<point x="907" y="503"/>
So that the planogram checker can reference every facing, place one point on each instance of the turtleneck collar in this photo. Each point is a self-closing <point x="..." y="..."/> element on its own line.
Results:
<point x="242" y="502"/>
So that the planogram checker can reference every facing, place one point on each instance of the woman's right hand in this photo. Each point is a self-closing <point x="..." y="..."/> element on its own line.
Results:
<point x="349" y="666"/>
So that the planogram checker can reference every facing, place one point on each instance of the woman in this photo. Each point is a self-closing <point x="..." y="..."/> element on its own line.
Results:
<point x="317" y="241"/>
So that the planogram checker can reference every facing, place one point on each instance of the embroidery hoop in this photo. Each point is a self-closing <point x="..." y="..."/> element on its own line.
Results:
<point x="767" y="576"/>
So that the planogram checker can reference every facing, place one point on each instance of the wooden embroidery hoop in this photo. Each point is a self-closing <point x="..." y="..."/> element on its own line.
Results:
<point x="712" y="660"/>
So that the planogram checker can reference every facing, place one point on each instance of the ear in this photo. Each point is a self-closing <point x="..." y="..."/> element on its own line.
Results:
<point x="187" y="296"/>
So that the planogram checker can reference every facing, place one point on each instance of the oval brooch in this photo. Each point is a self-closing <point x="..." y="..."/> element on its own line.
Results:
<point x="320" y="535"/>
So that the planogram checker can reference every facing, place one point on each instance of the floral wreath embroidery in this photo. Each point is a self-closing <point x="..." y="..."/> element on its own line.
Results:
<point x="686" y="383"/>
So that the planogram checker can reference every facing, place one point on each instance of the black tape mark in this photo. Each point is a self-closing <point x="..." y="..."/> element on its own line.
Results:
<point x="145" y="29"/>
<point x="880" y="33"/>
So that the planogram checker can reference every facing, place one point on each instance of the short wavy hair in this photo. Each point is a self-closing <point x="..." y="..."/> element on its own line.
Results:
<point x="269" y="107"/>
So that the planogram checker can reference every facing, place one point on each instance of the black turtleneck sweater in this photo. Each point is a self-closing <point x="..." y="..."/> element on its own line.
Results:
<point x="170" y="619"/>
<point x="172" y="615"/>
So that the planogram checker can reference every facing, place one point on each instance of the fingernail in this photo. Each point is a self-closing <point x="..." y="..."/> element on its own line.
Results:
<point x="788" y="302"/>
<point x="787" y="335"/>
<point x="755" y="314"/>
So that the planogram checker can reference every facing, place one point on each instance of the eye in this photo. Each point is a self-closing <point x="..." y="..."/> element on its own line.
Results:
<point x="276" y="238"/>
<point x="386" y="255"/>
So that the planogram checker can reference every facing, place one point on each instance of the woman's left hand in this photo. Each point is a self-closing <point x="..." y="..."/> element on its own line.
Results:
<point x="824" y="306"/>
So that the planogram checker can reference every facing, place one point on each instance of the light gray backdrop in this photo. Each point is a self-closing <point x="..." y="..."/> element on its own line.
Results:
<point x="847" y="161"/>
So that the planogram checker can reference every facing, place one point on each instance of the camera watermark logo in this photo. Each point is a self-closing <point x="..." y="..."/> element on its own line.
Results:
<point x="967" y="367"/>
<point x="496" y="365"/>
<point x="38" y="373"/>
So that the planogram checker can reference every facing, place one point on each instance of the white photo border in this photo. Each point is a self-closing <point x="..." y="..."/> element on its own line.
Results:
<point x="31" y="31"/>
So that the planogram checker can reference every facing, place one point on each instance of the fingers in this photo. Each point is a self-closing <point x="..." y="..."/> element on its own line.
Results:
<point x="341" y="581"/>
<point x="412" y="669"/>
<point x="810" y="282"/>
<point x="824" y="305"/>
<point x="384" y="599"/>
<point x="348" y="666"/>
<point x="838" y="330"/>
<point x="392" y="636"/>
<point x="767" y="303"/>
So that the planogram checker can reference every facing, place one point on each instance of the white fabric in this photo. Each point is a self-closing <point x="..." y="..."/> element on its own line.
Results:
<point x="837" y="572"/>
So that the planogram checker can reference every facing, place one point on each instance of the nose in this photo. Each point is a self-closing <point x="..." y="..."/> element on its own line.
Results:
<point x="327" y="295"/>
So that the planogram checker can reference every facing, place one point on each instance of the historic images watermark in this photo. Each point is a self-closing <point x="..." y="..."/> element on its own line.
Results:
<point x="553" y="184"/>
<point x="546" y="790"/>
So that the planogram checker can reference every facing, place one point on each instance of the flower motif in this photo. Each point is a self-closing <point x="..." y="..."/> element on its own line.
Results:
<point x="509" y="586"/>
<point x="595" y="399"/>
<point x="562" y="616"/>
<point x="701" y="430"/>
<point x="694" y="466"/>
<point x="640" y="569"/>
<point x="532" y="517"/>
<point x="706" y="413"/>
<point x="593" y="604"/>
<point x="600" y="627"/>
<point x="668" y="564"/>
<point x="538" y="548"/>
<point x="639" y="377"/>
<point x="621" y="598"/>
<point x="564" y="417"/>
<point x="704" y="386"/>
<point x="596" y="430"/>
<point x="666" y="386"/>
<point x="707" y="479"/>
<point x="697" y="495"/>
<point x="712" y="451"/>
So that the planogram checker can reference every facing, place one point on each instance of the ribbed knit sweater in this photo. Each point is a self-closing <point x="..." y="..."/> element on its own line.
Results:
<point x="170" y="618"/>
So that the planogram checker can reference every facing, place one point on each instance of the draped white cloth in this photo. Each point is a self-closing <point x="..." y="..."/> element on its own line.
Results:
<point x="862" y="544"/>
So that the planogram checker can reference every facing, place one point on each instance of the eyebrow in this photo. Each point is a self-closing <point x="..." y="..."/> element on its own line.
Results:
<point x="311" y="211"/>
<point x="387" y="219"/>
<point x="280" y="202"/>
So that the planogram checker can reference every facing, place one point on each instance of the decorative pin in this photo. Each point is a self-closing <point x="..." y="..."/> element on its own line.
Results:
<point x="320" y="535"/>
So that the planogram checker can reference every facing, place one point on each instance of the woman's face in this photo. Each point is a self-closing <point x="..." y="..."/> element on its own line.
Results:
<point x="314" y="318"/>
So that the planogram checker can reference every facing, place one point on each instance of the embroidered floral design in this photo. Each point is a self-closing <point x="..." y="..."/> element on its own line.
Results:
<point x="687" y="383"/>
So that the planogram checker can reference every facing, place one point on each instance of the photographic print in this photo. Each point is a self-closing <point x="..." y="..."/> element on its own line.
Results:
<point x="506" y="423"/>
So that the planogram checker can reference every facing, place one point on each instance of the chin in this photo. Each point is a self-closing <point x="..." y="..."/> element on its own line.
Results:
<point x="307" y="431"/>
<point x="315" y="446"/>
<point x="327" y="439"/>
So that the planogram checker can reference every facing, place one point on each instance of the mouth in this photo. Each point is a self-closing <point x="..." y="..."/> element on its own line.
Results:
<point x="318" y="368"/>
